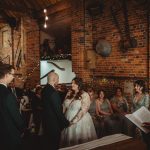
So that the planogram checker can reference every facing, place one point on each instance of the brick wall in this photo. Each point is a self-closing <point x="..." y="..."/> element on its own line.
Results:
<point x="23" y="41"/>
<point x="86" y="30"/>
<point x="119" y="66"/>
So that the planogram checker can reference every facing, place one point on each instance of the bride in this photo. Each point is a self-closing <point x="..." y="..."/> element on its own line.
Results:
<point x="76" y="107"/>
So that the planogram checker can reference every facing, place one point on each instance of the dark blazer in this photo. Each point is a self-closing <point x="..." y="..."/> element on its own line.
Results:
<point x="19" y="92"/>
<point x="53" y="118"/>
<point x="11" y="122"/>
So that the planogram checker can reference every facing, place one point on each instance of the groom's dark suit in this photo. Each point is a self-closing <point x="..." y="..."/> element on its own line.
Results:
<point x="11" y="123"/>
<point x="53" y="118"/>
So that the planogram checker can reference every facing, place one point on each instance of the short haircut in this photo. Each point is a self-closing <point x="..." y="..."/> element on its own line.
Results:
<point x="5" y="69"/>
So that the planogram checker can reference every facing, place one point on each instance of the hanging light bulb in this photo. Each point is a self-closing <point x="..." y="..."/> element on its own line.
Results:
<point x="45" y="25"/>
<point x="45" y="10"/>
<point x="46" y="17"/>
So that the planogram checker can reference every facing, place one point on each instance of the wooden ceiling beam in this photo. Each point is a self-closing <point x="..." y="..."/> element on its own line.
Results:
<point x="4" y="15"/>
<point x="15" y="9"/>
<point x="2" y="20"/>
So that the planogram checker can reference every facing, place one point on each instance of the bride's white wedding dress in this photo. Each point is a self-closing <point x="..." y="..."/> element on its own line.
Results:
<point x="83" y="129"/>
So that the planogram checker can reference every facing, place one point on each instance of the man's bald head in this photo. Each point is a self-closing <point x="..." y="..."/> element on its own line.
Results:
<point x="53" y="78"/>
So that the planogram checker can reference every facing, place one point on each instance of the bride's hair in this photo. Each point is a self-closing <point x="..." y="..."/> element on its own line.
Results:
<point x="79" y="82"/>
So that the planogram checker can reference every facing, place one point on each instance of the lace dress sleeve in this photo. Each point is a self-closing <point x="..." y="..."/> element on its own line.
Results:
<point x="147" y="100"/>
<point x="85" y="104"/>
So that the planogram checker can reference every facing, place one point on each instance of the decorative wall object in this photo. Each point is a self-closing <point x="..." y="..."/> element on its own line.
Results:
<point x="5" y="39"/>
<point x="103" y="48"/>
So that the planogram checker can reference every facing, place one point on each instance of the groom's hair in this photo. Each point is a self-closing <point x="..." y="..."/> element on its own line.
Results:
<point x="5" y="69"/>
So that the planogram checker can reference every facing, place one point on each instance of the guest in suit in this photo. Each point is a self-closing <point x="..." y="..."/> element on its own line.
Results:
<point x="53" y="118"/>
<point x="15" y="90"/>
<point x="37" y="107"/>
<point x="11" y="122"/>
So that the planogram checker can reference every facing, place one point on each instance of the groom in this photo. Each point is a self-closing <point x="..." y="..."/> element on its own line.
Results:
<point x="53" y="119"/>
<point x="11" y="122"/>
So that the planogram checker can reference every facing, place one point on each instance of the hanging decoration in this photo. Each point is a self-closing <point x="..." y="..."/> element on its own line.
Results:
<point x="46" y="18"/>
<point x="57" y="57"/>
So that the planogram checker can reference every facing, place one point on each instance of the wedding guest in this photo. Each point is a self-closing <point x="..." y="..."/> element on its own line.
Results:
<point x="120" y="107"/>
<point x="104" y="111"/>
<point x="15" y="90"/>
<point x="141" y="98"/>
<point x="119" y="102"/>
<point x="92" y="108"/>
<point x="37" y="108"/>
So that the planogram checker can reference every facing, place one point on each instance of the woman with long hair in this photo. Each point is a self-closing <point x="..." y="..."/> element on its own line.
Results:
<point x="141" y="98"/>
<point x="76" y="107"/>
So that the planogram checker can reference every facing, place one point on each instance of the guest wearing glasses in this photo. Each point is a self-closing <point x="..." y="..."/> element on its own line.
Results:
<point x="11" y="122"/>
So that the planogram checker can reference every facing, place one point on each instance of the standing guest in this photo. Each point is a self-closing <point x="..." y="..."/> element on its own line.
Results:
<point x="37" y="107"/>
<point x="25" y="105"/>
<point x="53" y="119"/>
<point x="92" y="109"/>
<point x="15" y="90"/>
<point x="76" y="107"/>
<point x="11" y="122"/>
<point x="140" y="99"/>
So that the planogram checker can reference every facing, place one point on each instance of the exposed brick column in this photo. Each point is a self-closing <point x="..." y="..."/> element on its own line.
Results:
<point x="81" y="30"/>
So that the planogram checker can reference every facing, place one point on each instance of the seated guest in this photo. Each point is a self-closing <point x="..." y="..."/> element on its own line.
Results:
<point x="103" y="111"/>
<point x="119" y="102"/>
<point x="92" y="108"/>
<point x="120" y="108"/>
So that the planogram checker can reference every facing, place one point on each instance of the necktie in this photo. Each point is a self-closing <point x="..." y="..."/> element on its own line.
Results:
<point x="14" y="91"/>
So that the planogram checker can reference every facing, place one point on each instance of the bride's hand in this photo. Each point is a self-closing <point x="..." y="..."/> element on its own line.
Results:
<point x="71" y="123"/>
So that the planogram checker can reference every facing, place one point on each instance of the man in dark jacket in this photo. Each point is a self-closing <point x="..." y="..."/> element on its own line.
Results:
<point x="53" y="119"/>
<point x="11" y="122"/>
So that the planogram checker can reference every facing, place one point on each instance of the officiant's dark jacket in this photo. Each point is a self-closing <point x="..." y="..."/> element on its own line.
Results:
<point x="53" y="119"/>
<point x="11" y="122"/>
